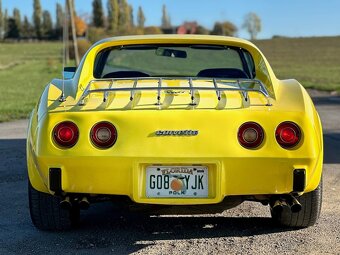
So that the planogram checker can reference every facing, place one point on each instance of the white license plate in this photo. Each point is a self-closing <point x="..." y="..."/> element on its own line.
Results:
<point x="177" y="181"/>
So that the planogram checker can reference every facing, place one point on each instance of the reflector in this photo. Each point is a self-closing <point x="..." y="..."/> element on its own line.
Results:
<point x="103" y="134"/>
<point x="250" y="135"/>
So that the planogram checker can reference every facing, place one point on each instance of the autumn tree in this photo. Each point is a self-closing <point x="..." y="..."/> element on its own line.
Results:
<point x="140" y="18"/>
<point x="47" y="25"/>
<point x="98" y="14"/>
<point x="81" y="26"/>
<point x="37" y="18"/>
<point x="59" y="21"/>
<point x="113" y="16"/>
<point x="166" y="22"/>
<point x="224" y="28"/>
<point x="252" y="23"/>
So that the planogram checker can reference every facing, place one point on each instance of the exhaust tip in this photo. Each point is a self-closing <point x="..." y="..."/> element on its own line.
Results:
<point x="66" y="203"/>
<point x="277" y="206"/>
<point x="295" y="205"/>
<point x="84" y="203"/>
<point x="296" y="208"/>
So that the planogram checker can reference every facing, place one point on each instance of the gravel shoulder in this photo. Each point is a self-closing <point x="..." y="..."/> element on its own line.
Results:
<point x="246" y="229"/>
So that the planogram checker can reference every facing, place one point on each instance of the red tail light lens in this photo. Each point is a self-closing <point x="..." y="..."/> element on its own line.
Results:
<point x="288" y="134"/>
<point x="250" y="135"/>
<point x="66" y="134"/>
<point x="103" y="134"/>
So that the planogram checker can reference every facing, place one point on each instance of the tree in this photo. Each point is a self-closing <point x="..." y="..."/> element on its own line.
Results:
<point x="47" y="26"/>
<point x="225" y="28"/>
<point x="13" y="30"/>
<point x="123" y="16"/>
<point x="130" y="16"/>
<point x="1" y="22"/>
<point x="59" y="21"/>
<point x="5" y="24"/>
<point x="201" y="30"/>
<point x="81" y="26"/>
<point x="27" y="29"/>
<point x="113" y="15"/>
<point x="252" y="23"/>
<point x="166" y="22"/>
<point x="98" y="14"/>
<point x="140" y="17"/>
<point x="17" y="18"/>
<point x="37" y="18"/>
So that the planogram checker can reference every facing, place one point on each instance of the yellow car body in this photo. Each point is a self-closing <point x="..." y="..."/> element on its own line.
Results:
<point x="233" y="170"/>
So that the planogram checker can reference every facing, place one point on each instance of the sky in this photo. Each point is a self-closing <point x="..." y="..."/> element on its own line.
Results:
<point x="293" y="18"/>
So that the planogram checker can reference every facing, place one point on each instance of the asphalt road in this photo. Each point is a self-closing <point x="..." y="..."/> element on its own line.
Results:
<point x="244" y="229"/>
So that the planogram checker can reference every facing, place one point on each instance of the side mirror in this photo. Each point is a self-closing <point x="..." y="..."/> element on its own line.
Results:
<point x="69" y="72"/>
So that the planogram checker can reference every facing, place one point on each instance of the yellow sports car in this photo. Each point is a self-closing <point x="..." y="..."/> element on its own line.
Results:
<point x="174" y="122"/>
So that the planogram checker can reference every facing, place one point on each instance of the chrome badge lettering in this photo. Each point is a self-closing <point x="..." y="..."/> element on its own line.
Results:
<point x="176" y="132"/>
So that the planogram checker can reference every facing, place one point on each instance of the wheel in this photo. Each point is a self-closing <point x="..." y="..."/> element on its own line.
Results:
<point x="309" y="214"/>
<point x="46" y="213"/>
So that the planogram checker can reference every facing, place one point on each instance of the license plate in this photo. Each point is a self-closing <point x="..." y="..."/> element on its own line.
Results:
<point x="177" y="181"/>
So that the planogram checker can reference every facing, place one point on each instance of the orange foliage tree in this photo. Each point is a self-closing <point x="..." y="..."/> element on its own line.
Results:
<point x="81" y="26"/>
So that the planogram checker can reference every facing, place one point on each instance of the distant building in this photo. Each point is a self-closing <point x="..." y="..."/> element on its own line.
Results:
<point x="187" y="28"/>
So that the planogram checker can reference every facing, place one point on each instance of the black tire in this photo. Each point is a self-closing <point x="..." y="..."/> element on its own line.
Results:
<point x="46" y="213"/>
<point x="309" y="214"/>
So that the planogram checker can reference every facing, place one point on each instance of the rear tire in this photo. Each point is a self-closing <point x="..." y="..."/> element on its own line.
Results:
<point x="46" y="213"/>
<point x="309" y="214"/>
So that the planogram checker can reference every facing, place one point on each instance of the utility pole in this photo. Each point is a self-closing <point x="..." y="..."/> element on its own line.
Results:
<point x="74" y="36"/>
<point x="66" y="55"/>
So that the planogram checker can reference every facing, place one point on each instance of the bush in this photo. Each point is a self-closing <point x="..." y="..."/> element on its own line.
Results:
<point x="95" y="34"/>
<point x="152" y="30"/>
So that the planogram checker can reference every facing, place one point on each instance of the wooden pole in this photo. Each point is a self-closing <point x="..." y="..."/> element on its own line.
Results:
<point x="66" y="56"/>
<point x="74" y="36"/>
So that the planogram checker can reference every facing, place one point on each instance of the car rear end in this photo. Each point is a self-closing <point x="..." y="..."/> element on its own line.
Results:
<point x="176" y="124"/>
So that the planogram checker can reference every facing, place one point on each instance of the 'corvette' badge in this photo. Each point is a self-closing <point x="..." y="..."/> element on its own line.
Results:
<point x="176" y="132"/>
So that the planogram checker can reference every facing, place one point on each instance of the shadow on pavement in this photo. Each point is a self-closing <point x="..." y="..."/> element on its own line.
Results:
<point x="105" y="230"/>
<point x="331" y="148"/>
<point x="329" y="100"/>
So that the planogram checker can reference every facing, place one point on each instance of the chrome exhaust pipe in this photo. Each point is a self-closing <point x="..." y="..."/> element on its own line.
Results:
<point x="277" y="206"/>
<point x="294" y="204"/>
<point x="66" y="203"/>
<point x="84" y="203"/>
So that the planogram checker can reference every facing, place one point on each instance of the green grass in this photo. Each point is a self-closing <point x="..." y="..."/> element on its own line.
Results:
<point x="314" y="62"/>
<point x="25" y="68"/>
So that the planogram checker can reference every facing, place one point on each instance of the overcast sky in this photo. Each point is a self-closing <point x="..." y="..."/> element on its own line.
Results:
<point x="288" y="18"/>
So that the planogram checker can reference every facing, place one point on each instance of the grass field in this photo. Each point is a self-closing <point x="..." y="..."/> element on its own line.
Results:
<point x="314" y="62"/>
<point x="25" y="68"/>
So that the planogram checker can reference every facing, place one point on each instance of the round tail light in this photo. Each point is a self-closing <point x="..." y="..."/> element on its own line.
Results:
<point x="103" y="134"/>
<point x="288" y="134"/>
<point x="250" y="135"/>
<point x="66" y="134"/>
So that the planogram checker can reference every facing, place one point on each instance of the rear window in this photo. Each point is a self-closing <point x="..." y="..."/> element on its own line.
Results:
<point x="172" y="60"/>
